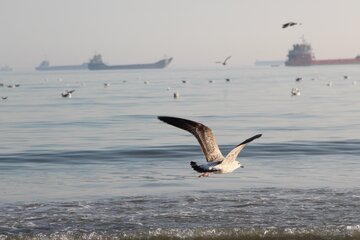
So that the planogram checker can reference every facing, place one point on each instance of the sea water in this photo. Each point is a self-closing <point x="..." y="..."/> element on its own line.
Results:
<point x="100" y="165"/>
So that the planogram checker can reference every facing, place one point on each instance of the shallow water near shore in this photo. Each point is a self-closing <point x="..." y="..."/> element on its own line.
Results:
<point x="101" y="166"/>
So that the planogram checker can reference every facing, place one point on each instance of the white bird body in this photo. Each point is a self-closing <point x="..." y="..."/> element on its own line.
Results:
<point x="224" y="167"/>
<point x="216" y="162"/>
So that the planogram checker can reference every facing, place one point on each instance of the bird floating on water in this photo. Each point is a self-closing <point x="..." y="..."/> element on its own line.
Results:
<point x="290" y="24"/>
<point x="4" y="98"/>
<point x="295" y="92"/>
<point x="224" y="62"/>
<point x="176" y="94"/>
<point x="216" y="162"/>
<point x="298" y="79"/>
<point x="67" y="94"/>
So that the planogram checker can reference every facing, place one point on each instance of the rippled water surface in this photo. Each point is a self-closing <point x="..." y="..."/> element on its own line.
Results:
<point x="101" y="166"/>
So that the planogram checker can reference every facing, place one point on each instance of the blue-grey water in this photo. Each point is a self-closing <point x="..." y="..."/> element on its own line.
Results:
<point x="101" y="166"/>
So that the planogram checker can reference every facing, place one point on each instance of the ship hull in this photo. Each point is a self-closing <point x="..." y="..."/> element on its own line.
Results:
<point x="157" y="65"/>
<point x="346" y="61"/>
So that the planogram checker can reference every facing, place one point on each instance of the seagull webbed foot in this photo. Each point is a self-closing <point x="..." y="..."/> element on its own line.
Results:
<point x="205" y="174"/>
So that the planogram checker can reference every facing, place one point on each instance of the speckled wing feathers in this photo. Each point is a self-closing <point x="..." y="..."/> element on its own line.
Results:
<point x="202" y="133"/>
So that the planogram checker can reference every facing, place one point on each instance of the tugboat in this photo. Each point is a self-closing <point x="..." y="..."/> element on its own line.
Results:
<point x="96" y="63"/>
<point x="301" y="55"/>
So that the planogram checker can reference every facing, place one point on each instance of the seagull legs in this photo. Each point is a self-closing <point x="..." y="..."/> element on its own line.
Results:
<point x="205" y="174"/>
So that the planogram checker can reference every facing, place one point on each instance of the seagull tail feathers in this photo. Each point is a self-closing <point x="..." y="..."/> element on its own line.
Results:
<point x="196" y="167"/>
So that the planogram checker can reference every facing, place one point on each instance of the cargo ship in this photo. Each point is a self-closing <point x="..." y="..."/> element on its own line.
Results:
<point x="301" y="55"/>
<point x="45" y="66"/>
<point x="96" y="63"/>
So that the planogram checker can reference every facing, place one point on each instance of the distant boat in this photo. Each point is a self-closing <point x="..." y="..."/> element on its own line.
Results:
<point x="96" y="63"/>
<point x="45" y="66"/>
<point x="271" y="63"/>
<point x="6" y="68"/>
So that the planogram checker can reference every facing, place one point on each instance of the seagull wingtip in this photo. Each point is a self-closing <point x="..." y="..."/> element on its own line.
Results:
<point x="161" y="117"/>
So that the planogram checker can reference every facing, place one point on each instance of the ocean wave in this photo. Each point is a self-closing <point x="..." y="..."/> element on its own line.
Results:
<point x="171" y="152"/>
<point x="271" y="233"/>
<point x="253" y="213"/>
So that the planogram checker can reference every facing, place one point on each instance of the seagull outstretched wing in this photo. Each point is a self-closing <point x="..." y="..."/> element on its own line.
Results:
<point x="232" y="155"/>
<point x="202" y="133"/>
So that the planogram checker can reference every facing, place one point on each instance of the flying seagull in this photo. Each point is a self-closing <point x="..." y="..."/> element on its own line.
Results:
<point x="290" y="24"/>
<point x="216" y="162"/>
<point x="224" y="62"/>
<point x="67" y="94"/>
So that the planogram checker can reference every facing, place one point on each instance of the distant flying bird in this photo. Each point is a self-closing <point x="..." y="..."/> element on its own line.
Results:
<point x="346" y="77"/>
<point x="224" y="62"/>
<point x="298" y="79"/>
<point x="216" y="162"/>
<point x="290" y="24"/>
<point x="67" y="94"/>
<point x="4" y="98"/>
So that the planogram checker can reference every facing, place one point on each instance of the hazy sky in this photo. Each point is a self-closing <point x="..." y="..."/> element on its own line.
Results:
<point x="194" y="32"/>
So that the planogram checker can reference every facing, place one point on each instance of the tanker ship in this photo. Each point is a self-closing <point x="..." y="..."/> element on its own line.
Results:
<point x="301" y="55"/>
<point x="96" y="63"/>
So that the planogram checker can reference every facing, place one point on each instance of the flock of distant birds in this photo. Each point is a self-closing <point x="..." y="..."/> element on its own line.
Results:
<point x="296" y="91"/>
